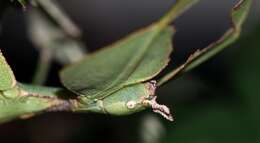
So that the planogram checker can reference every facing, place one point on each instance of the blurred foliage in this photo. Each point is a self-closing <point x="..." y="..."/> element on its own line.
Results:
<point x="22" y="2"/>
<point x="247" y="78"/>
<point x="233" y="120"/>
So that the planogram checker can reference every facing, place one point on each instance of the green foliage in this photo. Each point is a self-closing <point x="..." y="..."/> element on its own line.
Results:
<point x="246" y="76"/>
<point x="7" y="79"/>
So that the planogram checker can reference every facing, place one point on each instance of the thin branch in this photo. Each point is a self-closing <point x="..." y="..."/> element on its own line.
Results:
<point x="56" y="13"/>
<point x="177" y="9"/>
<point x="43" y="66"/>
<point x="238" y="15"/>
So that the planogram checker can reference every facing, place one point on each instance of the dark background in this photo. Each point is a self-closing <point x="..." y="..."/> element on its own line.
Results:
<point x="216" y="102"/>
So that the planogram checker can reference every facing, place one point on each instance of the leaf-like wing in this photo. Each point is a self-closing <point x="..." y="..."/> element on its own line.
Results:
<point x="138" y="57"/>
<point x="7" y="79"/>
<point x="238" y="15"/>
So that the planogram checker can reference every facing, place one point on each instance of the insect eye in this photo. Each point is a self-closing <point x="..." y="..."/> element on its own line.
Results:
<point x="131" y="104"/>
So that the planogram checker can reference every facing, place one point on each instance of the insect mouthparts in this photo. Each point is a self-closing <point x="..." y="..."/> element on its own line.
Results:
<point x="158" y="108"/>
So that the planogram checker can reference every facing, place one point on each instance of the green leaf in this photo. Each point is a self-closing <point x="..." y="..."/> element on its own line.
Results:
<point x="238" y="16"/>
<point x="137" y="58"/>
<point x="7" y="79"/>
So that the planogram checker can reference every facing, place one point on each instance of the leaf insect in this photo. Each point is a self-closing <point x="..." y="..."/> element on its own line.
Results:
<point x="118" y="79"/>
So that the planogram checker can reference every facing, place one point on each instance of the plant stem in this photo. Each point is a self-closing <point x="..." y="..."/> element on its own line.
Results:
<point x="43" y="66"/>
<point x="238" y="14"/>
<point x="32" y="100"/>
<point x="55" y="12"/>
<point x="179" y="7"/>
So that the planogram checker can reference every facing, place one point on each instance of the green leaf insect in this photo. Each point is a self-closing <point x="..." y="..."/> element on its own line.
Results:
<point x="113" y="73"/>
<point x="117" y="79"/>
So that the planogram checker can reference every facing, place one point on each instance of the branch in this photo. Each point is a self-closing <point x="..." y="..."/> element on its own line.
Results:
<point x="238" y="15"/>
<point x="51" y="38"/>
<point x="25" y="101"/>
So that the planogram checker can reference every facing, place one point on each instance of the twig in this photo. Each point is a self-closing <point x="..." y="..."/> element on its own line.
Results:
<point x="53" y="10"/>
<point x="43" y="66"/>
